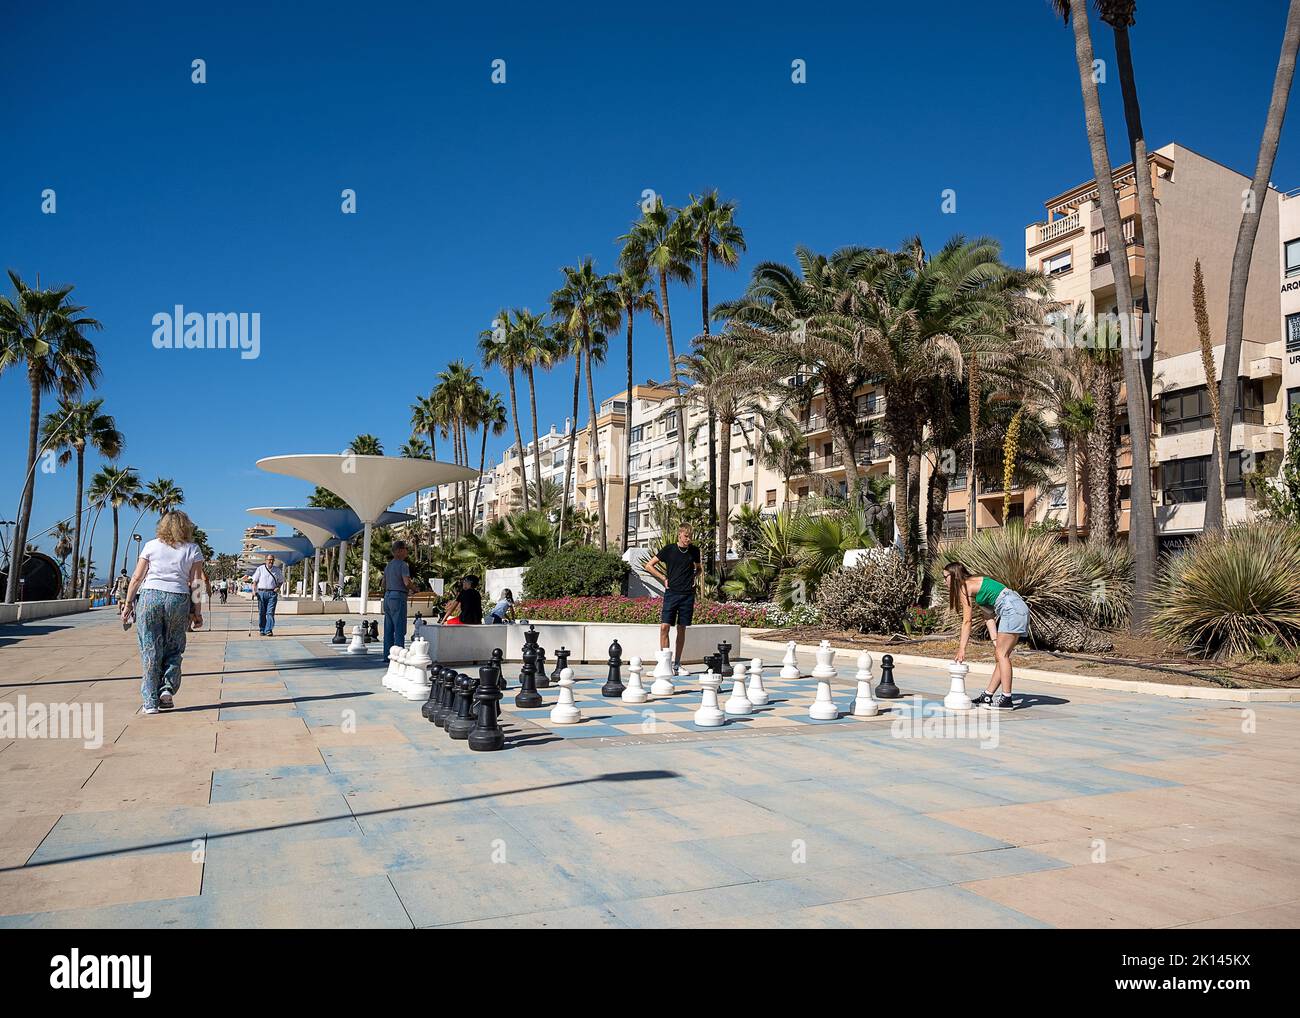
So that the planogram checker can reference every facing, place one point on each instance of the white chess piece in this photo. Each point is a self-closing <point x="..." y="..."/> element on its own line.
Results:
<point x="757" y="694"/>
<point x="738" y="703"/>
<point x="417" y="662"/>
<point x="634" y="692"/>
<point x="823" y="707"/>
<point x="789" y="665"/>
<point x="864" y="704"/>
<point x="663" y="674"/>
<point x="957" y="698"/>
<point x="565" y="711"/>
<point x="709" y="716"/>
<point x="358" y="644"/>
<point x="394" y="666"/>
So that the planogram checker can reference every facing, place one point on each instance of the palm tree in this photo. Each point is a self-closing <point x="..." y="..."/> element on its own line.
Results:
<point x="500" y="347"/>
<point x="62" y="546"/>
<point x="1241" y="257"/>
<point x="119" y="487"/>
<point x="588" y="306"/>
<point x="659" y="243"/>
<point x="416" y="448"/>
<point x="366" y="445"/>
<point x="426" y="417"/>
<point x="491" y="419"/>
<point x="634" y="294"/>
<point x="1142" y="539"/>
<point x="44" y="333"/>
<point x="162" y="496"/>
<point x="69" y="429"/>
<point x="784" y="448"/>
<point x="570" y="343"/>
<point x="537" y="347"/>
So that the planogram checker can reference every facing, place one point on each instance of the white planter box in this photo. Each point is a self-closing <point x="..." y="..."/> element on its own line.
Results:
<point x="587" y="641"/>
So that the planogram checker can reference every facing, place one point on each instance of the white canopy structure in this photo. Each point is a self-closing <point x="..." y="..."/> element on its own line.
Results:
<point x="369" y="484"/>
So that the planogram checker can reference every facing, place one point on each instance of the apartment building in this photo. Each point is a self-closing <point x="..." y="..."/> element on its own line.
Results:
<point x="611" y="439"/>
<point x="1200" y="204"/>
<point x="1289" y="295"/>
<point x="828" y="473"/>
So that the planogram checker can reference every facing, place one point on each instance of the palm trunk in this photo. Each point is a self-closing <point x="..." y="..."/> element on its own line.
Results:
<point x="627" y="441"/>
<point x="595" y="447"/>
<point x="724" y="498"/>
<point x="437" y="492"/>
<point x="1246" y="232"/>
<point x="25" y="506"/>
<point x="573" y="443"/>
<point x="677" y="392"/>
<point x="113" y="557"/>
<point x="972" y="480"/>
<point x="537" y="444"/>
<point x="81" y="486"/>
<point x="1142" y="536"/>
<point x="1071" y="493"/>
<point x="519" y="438"/>
<point x="482" y="460"/>
<point x="1101" y="456"/>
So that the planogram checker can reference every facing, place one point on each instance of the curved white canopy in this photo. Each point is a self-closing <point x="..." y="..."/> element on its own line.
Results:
<point x="320" y="537"/>
<point x="302" y="545"/>
<point x="370" y="484"/>
<point x="289" y="558"/>
<point x="333" y="524"/>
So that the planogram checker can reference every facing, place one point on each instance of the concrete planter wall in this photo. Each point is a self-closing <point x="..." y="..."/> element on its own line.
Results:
<point x="587" y="641"/>
<point x="30" y="611"/>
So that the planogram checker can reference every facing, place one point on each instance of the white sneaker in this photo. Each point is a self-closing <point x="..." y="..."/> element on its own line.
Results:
<point x="149" y="710"/>
<point x="165" y="701"/>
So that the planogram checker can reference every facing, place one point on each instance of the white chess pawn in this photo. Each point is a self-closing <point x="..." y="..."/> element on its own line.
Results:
<point x="417" y="662"/>
<point x="738" y="703"/>
<point x="358" y="644"/>
<point x="789" y="665"/>
<point x="709" y="716"/>
<point x="565" y="711"/>
<point x="957" y="698"/>
<point x="634" y="692"/>
<point x="864" y="705"/>
<point x="663" y="674"/>
<point x="823" y="707"/>
<point x="757" y="694"/>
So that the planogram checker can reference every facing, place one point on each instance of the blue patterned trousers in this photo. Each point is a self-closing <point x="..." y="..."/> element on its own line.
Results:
<point x="162" y="620"/>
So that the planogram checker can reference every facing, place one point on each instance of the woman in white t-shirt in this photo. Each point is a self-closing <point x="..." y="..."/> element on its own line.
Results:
<point x="169" y="578"/>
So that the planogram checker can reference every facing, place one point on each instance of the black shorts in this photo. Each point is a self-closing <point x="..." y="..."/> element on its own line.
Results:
<point x="679" y="609"/>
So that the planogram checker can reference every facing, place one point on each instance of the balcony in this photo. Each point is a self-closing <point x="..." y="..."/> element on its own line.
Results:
<point x="1101" y="246"/>
<point x="1057" y="228"/>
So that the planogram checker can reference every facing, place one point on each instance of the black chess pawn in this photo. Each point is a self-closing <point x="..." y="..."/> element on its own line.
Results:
<point x="338" y="633"/>
<point x="528" y="695"/>
<point x="561" y="661"/>
<point x="486" y="735"/>
<point x="435" y="690"/>
<point x="724" y="650"/>
<point x="446" y="700"/>
<point x="614" y="683"/>
<point x="462" y="724"/>
<point x="543" y="680"/>
<point x="887" y="690"/>
<point x="419" y="617"/>
<point x="497" y="661"/>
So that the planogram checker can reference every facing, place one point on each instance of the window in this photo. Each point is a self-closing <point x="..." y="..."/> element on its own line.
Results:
<point x="957" y="482"/>
<point x="1291" y="249"/>
<point x="954" y="522"/>
<point x="1184" y="480"/>
<point x="1058" y="497"/>
<point x="1189" y="409"/>
<point x="1057" y="264"/>
<point x="749" y="491"/>
<point x="770" y="497"/>
<point x="1293" y="333"/>
<point x="636" y="433"/>
<point x="1292" y="401"/>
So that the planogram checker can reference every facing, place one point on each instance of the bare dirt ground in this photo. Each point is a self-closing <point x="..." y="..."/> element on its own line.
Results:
<point x="1135" y="658"/>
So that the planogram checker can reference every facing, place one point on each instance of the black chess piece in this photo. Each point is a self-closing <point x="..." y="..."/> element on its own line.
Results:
<point x="614" y="683"/>
<point x="462" y="724"/>
<point x="713" y="663"/>
<point x="561" y="661"/>
<point x="435" y="691"/>
<point x="486" y="736"/>
<point x="338" y="633"/>
<point x="543" y="680"/>
<point x="419" y="617"/>
<point x="724" y="650"/>
<point x="887" y="690"/>
<point x="446" y="700"/>
<point x="497" y="656"/>
<point x="528" y="695"/>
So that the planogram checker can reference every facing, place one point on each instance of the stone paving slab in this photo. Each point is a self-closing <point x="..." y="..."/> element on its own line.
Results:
<point x="289" y="789"/>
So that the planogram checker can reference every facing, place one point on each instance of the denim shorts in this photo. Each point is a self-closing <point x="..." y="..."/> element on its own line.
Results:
<point x="1013" y="613"/>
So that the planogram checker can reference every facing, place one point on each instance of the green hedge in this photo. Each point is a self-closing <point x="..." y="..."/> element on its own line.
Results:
<point x="577" y="571"/>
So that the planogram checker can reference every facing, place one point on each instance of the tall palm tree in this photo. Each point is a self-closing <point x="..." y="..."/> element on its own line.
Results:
<point x="634" y="294"/>
<point x="366" y="445"/>
<point x="70" y="428"/>
<point x="62" y="546"/>
<point x="1241" y="257"/>
<point x="1142" y="526"/>
<point x="500" y="347"/>
<point x="537" y="348"/>
<point x="426" y="418"/>
<point x="660" y="243"/>
<point x="416" y="448"/>
<point x="161" y="496"/>
<point x="570" y="344"/>
<point x="118" y="486"/>
<point x="784" y="448"/>
<point x="491" y="419"/>
<point x="43" y="332"/>
<point x="589" y="307"/>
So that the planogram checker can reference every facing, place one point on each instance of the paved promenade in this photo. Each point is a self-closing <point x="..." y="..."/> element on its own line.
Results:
<point x="288" y="788"/>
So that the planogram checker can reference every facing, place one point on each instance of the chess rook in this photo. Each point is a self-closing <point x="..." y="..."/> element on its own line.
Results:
<point x="957" y="699"/>
<point x="823" y="707"/>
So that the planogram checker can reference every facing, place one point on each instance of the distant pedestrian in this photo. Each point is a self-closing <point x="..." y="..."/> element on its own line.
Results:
<point x="467" y="607"/>
<point x="120" y="586"/>
<point x="504" y="609"/>
<point x="267" y="579"/>
<point x="168" y="578"/>
<point x="681" y="568"/>
<point x="1007" y="617"/>
<point x="397" y="585"/>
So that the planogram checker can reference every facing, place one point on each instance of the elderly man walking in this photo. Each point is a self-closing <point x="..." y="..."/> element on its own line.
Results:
<point x="397" y="584"/>
<point x="267" y="579"/>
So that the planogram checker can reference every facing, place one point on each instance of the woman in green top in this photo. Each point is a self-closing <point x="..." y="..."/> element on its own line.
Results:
<point x="1007" y="617"/>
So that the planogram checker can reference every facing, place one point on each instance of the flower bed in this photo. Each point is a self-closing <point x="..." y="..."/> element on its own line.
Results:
<point x="636" y="611"/>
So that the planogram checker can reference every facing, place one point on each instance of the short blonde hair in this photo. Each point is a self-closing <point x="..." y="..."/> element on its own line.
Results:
<point x="175" y="528"/>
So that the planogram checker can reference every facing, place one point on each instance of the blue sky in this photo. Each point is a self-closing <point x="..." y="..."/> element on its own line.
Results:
<point x="226" y="196"/>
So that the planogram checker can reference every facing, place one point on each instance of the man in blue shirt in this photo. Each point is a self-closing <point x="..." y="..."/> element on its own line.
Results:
<point x="267" y="580"/>
<point x="397" y="583"/>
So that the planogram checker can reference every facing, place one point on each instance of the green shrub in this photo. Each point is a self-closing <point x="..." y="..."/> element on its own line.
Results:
<point x="874" y="596"/>
<point x="577" y="571"/>
<point x="1108" y="571"/>
<point x="1230" y="595"/>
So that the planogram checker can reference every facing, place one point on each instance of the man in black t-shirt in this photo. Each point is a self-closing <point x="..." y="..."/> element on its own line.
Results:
<point x="470" y="601"/>
<point x="677" y="566"/>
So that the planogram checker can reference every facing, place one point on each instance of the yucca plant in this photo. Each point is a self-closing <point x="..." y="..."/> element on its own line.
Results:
<point x="1230" y="594"/>
<point x="1108" y="571"/>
